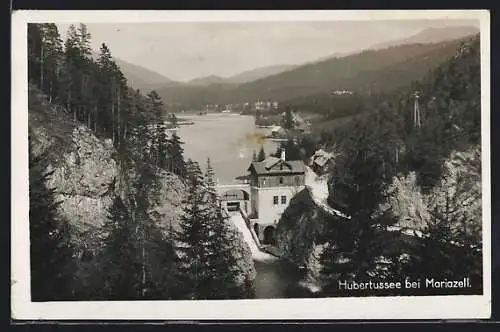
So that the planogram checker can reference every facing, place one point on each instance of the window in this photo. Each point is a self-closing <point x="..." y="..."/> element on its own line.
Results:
<point x="281" y="180"/>
<point x="283" y="199"/>
<point x="275" y="200"/>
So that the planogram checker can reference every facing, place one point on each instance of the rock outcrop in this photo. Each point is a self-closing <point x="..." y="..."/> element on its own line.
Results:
<point x="86" y="178"/>
<point x="299" y="234"/>
<point x="84" y="174"/>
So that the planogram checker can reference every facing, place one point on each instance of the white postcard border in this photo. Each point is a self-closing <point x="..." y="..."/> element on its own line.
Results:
<point x="424" y="307"/>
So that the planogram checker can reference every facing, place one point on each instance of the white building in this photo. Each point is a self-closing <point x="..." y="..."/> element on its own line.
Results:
<point x="273" y="182"/>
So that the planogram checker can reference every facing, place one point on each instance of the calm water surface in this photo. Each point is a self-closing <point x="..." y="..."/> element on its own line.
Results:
<point x="229" y="141"/>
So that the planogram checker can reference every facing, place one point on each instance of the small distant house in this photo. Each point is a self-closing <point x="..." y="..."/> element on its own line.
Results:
<point x="322" y="161"/>
<point x="277" y="131"/>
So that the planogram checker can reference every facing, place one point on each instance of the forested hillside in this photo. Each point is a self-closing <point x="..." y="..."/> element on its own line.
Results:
<point x="407" y="172"/>
<point x="396" y="168"/>
<point x="140" y="78"/>
<point x="367" y="72"/>
<point x="111" y="196"/>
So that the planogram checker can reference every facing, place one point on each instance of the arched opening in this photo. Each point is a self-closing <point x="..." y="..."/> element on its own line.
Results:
<point x="269" y="235"/>
<point x="256" y="229"/>
<point x="233" y="206"/>
<point x="235" y="195"/>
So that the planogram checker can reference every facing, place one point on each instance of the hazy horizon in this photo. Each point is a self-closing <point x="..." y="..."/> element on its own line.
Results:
<point x="182" y="51"/>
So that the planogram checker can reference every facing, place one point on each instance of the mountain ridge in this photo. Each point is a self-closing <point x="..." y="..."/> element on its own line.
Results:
<point x="139" y="77"/>
<point x="365" y="72"/>
<point x="431" y="35"/>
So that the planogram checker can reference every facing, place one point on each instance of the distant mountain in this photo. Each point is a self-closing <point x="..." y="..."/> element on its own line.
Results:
<point x="139" y="77"/>
<point x="207" y="80"/>
<point x="426" y="36"/>
<point x="370" y="71"/>
<point x="258" y="73"/>
<point x="243" y="77"/>
<point x="431" y="35"/>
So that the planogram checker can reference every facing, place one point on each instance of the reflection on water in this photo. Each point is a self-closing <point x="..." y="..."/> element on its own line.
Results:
<point x="278" y="279"/>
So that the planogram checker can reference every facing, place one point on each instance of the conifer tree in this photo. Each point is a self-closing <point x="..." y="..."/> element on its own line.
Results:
<point x="52" y="264"/>
<point x="176" y="163"/>
<point x="354" y="247"/>
<point x="34" y="53"/>
<point x="288" y="121"/>
<point x="121" y="266"/>
<point x="52" y="53"/>
<point x="193" y="239"/>
<point x="160" y="144"/>
<point x="262" y="154"/>
<point x="210" y="182"/>
<point x="221" y="263"/>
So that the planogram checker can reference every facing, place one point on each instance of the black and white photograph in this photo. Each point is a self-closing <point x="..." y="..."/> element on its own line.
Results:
<point x="246" y="165"/>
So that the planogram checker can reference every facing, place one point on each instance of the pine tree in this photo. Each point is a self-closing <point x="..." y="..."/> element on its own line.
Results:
<point x="34" y="53"/>
<point x="221" y="263"/>
<point x="355" y="246"/>
<point x="52" y="59"/>
<point x="288" y="121"/>
<point x="210" y="182"/>
<point x="173" y="120"/>
<point x="193" y="239"/>
<point x="52" y="264"/>
<point x="121" y="265"/>
<point x="84" y="37"/>
<point x="262" y="154"/>
<point x="176" y="163"/>
<point x="160" y="144"/>
<point x="71" y="76"/>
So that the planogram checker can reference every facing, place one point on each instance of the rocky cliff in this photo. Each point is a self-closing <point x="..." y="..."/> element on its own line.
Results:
<point x="86" y="178"/>
<point x="85" y="175"/>
<point x="299" y="232"/>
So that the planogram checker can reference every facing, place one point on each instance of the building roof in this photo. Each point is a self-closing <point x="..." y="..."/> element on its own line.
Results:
<point x="321" y="157"/>
<point x="273" y="165"/>
<point x="276" y="128"/>
<point x="321" y="161"/>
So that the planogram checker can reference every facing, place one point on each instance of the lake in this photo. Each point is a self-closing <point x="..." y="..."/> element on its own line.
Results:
<point x="229" y="140"/>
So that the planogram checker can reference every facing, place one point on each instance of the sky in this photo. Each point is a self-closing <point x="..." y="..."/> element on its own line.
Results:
<point x="182" y="51"/>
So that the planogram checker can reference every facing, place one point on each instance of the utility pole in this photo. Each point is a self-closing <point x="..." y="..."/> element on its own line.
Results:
<point x="416" y="110"/>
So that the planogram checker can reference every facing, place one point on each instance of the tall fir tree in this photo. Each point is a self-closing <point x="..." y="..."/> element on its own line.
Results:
<point x="193" y="239"/>
<point x="160" y="141"/>
<point x="221" y="262"/>
<point x="121" y="267"/>
<point x="52" y="261"/>
<point x="262" y="154"/>
<point x="176" y="163"/>
<point x="355" y="247"/>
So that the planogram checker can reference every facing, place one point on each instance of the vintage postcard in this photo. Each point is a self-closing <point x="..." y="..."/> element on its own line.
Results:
<point x="189" y="165"/>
